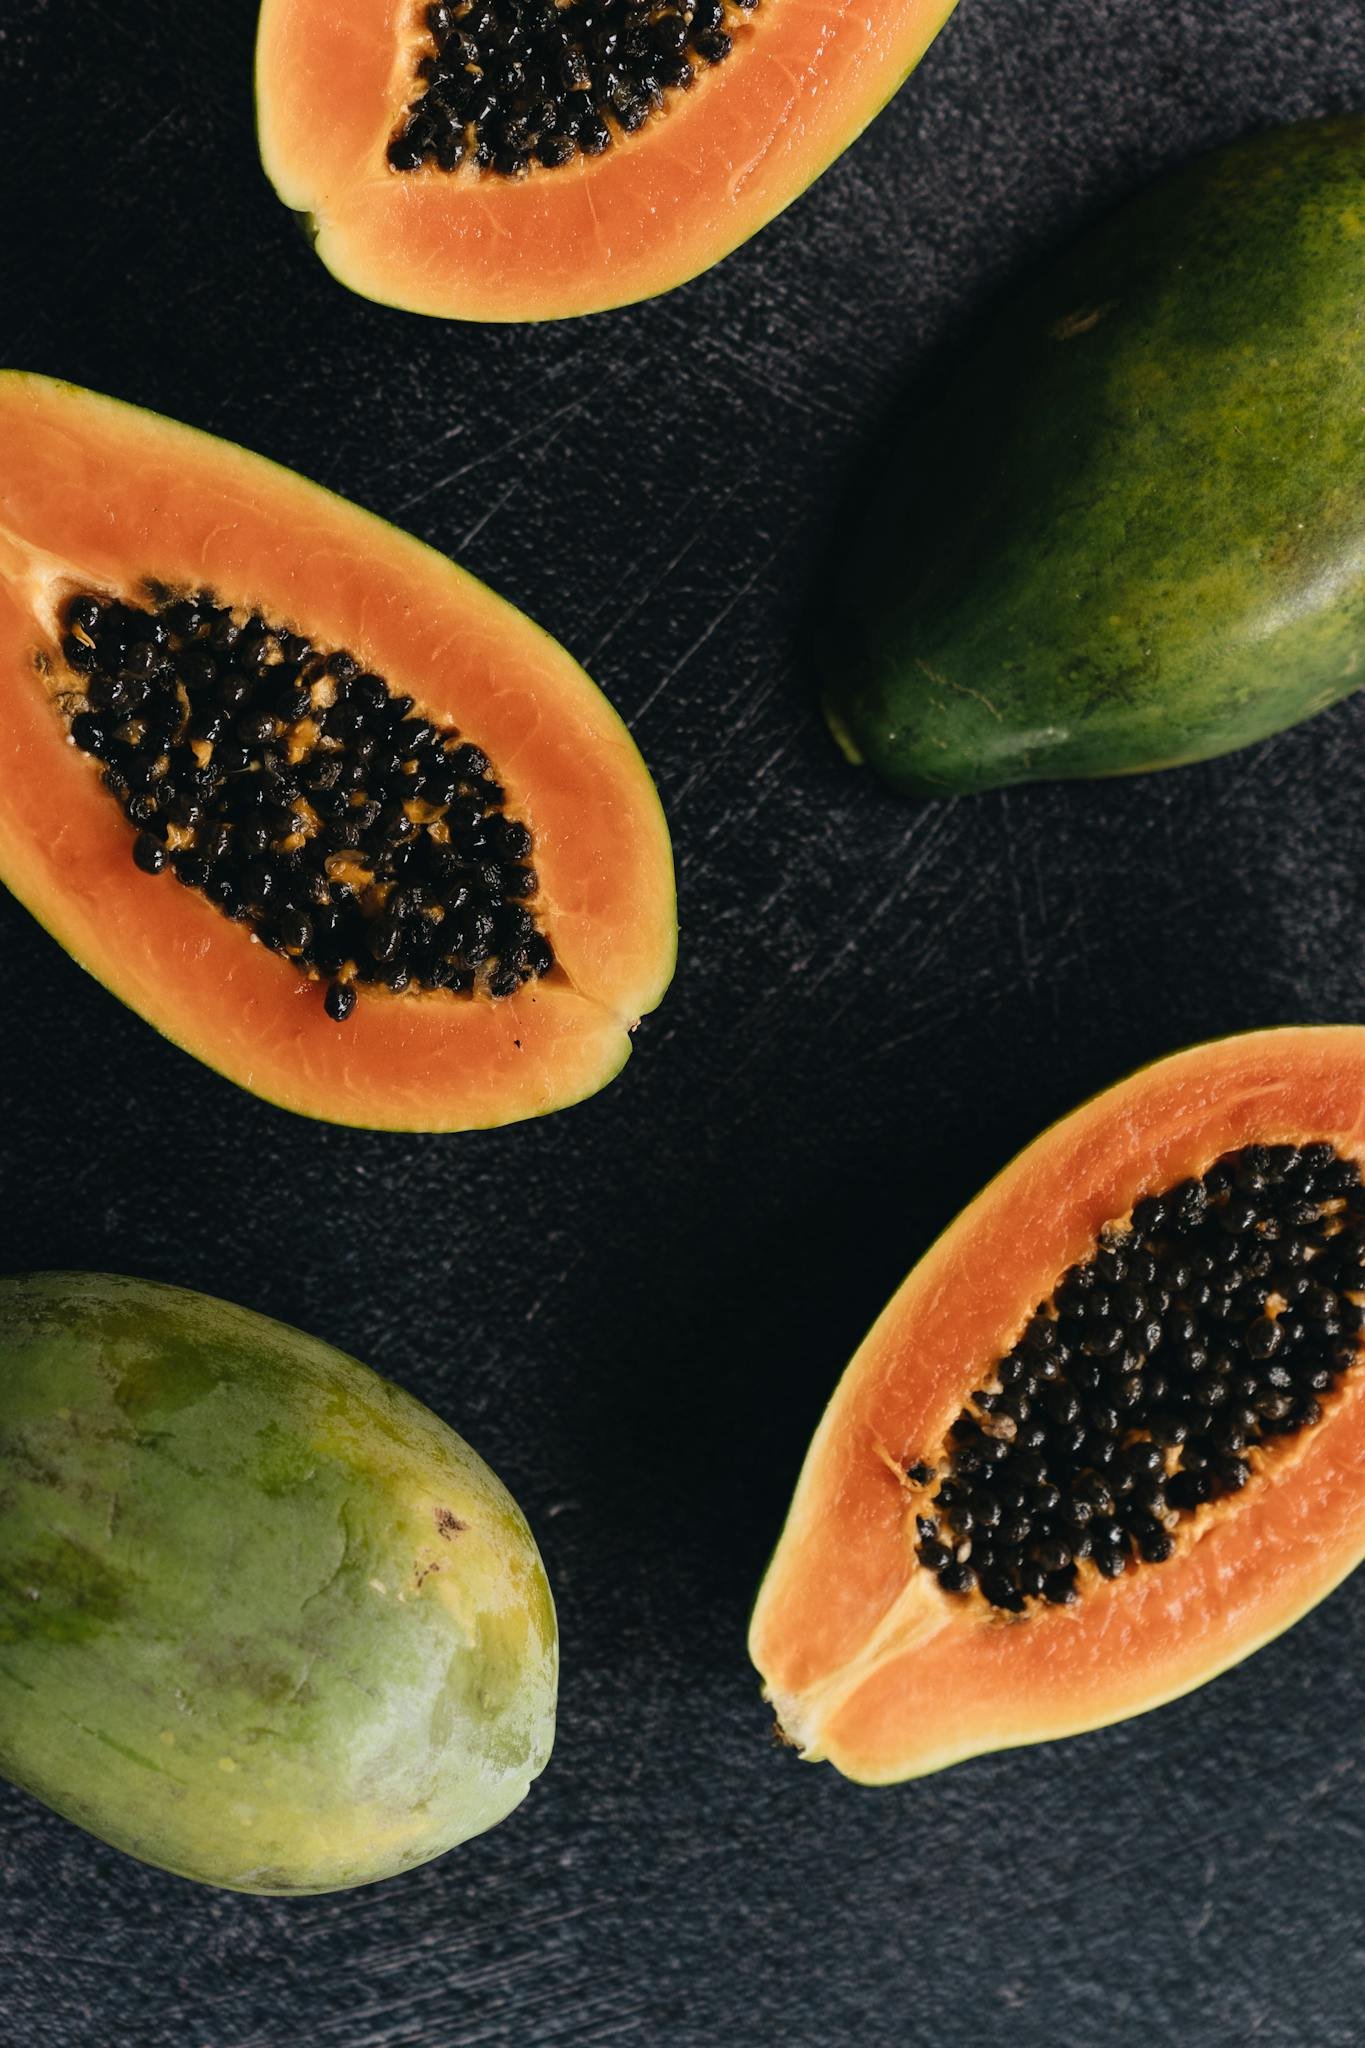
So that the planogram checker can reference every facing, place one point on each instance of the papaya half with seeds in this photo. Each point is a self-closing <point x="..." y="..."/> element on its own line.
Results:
<point x="265" y="1621"/>
<point x="312" y="800"/>
<point x="1129" y="532"/>
<point x="517" y="160"/>
<point x="1109" y="1436"/>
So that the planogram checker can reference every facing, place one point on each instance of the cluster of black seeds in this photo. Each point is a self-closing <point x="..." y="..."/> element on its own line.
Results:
<point x="1187" y="1342"/>
<point x="509" y="83"/>
<point x="304" y="798"/>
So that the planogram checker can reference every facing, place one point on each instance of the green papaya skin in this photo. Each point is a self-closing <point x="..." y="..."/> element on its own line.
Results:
<point x="264" y="1619"/>
<point x="1132" y="531"/>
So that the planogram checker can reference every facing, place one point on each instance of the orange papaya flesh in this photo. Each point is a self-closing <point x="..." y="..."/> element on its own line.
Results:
<point x="96" y="495"/>
<point x="654" y="209"/>
<point x="867" y="1661"/>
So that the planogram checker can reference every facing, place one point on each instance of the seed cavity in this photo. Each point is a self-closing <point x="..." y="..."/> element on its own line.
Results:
<point x="505" y="84"/>
<point x="1157" y="1378"/>
<point x="304" y="798"/>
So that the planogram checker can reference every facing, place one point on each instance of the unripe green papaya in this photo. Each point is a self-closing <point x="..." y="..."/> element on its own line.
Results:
<point x="1131" y="531"/>
<point x="264" y="1619"/>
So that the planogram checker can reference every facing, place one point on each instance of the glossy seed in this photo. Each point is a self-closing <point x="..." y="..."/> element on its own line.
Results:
<point x="149" y="853"/>
<point x="1001" y="1591"/>
<point x="1263" y="1338"/>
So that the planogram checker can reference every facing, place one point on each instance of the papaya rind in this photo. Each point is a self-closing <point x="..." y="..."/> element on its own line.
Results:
<point x="265" y="1621"/>
<point x="1134" y="538"/>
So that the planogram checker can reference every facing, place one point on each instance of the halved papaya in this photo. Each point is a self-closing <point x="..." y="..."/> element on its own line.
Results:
<point x="310" y="751"/>
<point x="523" y="160"/>
<point x="1108" y="1437"/>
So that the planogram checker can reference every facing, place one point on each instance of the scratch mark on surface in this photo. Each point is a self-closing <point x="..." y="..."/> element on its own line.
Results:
<point x="713" y="627"/>
<point x="561" y="414"/>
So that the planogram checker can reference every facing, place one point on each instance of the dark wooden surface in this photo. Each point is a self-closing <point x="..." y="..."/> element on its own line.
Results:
<point x="636" y="1309"/>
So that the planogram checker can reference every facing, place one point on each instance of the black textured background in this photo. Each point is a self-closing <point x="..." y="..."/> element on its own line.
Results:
<point x="636" y="1308"/>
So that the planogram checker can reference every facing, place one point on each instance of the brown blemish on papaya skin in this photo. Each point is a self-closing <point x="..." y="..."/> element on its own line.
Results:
<point x="448" y="1526"/>
<point x="1083" y="321"/>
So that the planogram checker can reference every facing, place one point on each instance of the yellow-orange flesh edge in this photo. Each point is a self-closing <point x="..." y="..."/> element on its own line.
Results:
<point x="97" y="495"/>
<point x="332" y="80"/>
<point x="867" y="1662"/>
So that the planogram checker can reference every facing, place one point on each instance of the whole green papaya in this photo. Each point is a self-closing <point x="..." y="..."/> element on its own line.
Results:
<point x="264" y="1619"/>
<point x="1131" y="531"/>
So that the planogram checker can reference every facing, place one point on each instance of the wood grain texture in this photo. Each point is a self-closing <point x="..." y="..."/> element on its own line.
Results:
<point x="635" y="1310"/>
